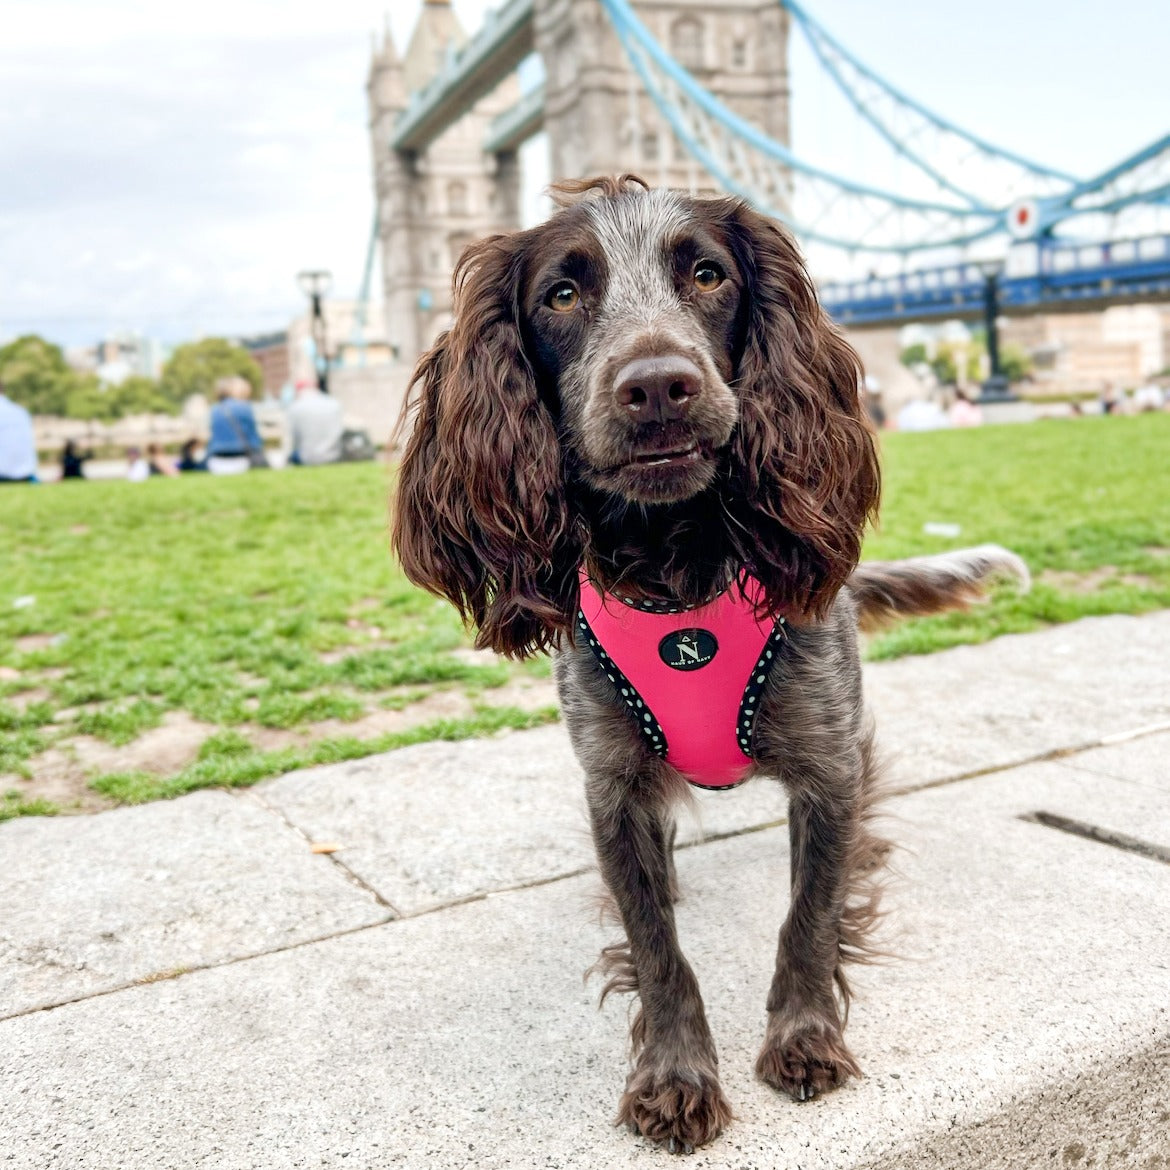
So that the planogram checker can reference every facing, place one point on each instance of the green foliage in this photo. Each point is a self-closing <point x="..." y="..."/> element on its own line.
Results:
<point x="914" y="355"/>
<point x="1015" y="362"/>
<point x="123" y="723"/>
<point x="945" y="364"/>
<point x="194" y="368"/>
<point x="33" y="373"/>
<point x="13" y="804"/>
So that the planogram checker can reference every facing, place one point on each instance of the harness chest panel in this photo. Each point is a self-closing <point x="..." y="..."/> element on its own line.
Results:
<point x="692" y="678"/>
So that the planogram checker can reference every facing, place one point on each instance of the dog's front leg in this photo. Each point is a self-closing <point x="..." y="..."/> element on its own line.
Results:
<point x="673" y="1092"/>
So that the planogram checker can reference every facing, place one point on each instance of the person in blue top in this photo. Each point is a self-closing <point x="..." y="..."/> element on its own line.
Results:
<point x="18" y="449"/>
<point x="235" y="444"/>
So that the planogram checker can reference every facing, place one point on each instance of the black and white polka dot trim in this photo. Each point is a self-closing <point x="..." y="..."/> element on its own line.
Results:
<point x="745" y="721"/>
<point x="650" y="728"/>
<point x="645" y="605"/>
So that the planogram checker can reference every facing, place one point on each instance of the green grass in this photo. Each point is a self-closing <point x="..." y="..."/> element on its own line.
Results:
<point x="272" y="600"/>
<point x="1089" y="498"/>
<point x="234" y="763"/>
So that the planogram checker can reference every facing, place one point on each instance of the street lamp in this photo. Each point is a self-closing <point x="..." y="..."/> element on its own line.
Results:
<point x="315" y="283"/>
<point x="996" y="388"/>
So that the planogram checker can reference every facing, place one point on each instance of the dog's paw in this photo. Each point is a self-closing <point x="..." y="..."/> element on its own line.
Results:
<point x="681" y="1109"/>
<point x="803" y="1062"/>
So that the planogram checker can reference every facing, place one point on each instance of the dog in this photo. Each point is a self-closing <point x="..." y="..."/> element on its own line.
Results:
<point x="641" y="445"/>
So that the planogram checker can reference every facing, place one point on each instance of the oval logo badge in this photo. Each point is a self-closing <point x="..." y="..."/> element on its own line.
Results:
<point x="688" y="649"/>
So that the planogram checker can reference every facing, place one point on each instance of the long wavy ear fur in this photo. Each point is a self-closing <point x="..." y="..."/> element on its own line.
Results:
<point x="480" y="515"/>
<point x="804" y="473"/>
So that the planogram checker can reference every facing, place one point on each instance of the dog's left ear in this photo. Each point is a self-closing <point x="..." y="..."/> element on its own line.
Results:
<point x="480" y="515"/>
<point x="804" y="467"/>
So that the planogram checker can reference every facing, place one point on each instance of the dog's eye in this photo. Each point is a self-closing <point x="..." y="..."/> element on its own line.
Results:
<point x="563" y="298"/>
<point x="708" y="276"/>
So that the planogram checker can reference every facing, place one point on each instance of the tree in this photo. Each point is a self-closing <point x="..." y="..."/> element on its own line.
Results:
<point x="140" y="395"/>
<point x="914" y="355"/>
<point x="945" y="365"/>
<point x="1015" y="362"/>
<point x="194" y="368"/>
<point x="34" y="373"/>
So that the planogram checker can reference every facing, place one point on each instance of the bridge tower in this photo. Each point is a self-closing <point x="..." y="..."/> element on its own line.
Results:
<point x="600" y="120"/>
<point x="433" y="202"/>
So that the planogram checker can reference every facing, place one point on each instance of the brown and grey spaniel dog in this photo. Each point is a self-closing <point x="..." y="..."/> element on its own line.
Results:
<point x="642" y="445"/>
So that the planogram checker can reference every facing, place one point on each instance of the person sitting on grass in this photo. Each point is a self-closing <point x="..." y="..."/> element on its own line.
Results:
<point x="73" y="460"/>
<point x="188" y="460"/>
<point x="315" y="427"/>
<point x="137" y="468"/>
<point x="158" y="463"/>
<point x="18" y="448"/>
<point x="235" y="445"/>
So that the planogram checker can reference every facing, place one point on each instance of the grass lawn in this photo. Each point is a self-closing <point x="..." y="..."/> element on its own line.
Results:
<point x="160" y="637"/>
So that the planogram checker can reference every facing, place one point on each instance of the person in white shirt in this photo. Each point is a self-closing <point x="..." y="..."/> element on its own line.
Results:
<point x="18" y="448"/>
<point x="314" y="427"/>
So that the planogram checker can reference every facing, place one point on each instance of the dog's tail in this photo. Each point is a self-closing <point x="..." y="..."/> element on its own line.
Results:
<point x="885" y="590"/>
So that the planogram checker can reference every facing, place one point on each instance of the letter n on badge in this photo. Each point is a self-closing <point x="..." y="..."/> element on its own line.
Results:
<point x="688" y="649"/>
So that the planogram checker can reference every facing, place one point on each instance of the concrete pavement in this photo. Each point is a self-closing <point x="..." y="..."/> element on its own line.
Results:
<point x="188" y="985"/>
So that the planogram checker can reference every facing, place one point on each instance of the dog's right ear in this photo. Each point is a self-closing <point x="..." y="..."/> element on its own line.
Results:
<point x="480" y="515"/>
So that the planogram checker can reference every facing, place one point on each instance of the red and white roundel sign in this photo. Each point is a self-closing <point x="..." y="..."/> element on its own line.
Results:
<point x="1023" y="218"/>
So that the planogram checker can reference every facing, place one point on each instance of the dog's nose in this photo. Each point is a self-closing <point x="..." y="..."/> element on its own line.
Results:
<point x="657" y="389"/>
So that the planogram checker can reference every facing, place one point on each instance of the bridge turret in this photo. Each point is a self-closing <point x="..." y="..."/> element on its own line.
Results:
<point x="434" y="201"/>
<point x="600" y="119"/>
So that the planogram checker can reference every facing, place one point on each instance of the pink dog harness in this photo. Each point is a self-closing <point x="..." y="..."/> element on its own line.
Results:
<point x="692" y="678"/>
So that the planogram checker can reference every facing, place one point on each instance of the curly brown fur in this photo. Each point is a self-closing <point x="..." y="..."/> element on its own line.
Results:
<point x="646" y="386"/>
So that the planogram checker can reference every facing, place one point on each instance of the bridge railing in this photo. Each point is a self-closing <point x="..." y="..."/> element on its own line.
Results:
<point x="1049" y="275"/>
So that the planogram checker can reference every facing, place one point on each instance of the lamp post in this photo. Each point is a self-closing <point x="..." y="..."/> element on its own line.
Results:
<point x="996" y="388"/>
<point x="315" y="283"/>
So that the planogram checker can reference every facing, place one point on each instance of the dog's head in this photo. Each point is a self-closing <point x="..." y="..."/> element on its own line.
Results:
<point x="643" y="350"/>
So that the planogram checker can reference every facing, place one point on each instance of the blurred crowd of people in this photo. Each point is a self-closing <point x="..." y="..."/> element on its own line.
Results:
<point x="315" y="434"/>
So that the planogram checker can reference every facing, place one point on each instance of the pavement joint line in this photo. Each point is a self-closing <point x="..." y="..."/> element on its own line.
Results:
<point x="1096" y="833"/>
<point x="181" y="971"/>
<point x="346" y="872"/>
<point x="1136" y="733"/>
<point x="482" y="896"/>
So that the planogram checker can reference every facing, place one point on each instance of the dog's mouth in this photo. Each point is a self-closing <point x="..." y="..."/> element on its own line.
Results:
<point x="670" y="457"/>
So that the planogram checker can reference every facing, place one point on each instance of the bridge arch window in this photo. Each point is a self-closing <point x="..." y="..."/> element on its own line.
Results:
<point x="457" y="198"/>
<point x="687" y="42"/>
<point x="650" y="148"/>
<point x="739" y="53"/>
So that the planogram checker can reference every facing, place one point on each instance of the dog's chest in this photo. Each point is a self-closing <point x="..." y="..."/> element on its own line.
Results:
<point x="692" y="679"/>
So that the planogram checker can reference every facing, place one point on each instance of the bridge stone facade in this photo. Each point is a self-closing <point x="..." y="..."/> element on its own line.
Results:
<point x="434" y="200"/>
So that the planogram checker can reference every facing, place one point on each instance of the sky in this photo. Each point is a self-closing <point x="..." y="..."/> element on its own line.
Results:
<point x="169" y="168"/>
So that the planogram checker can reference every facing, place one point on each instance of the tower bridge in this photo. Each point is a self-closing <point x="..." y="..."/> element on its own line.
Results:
<point x="695" y="94"/>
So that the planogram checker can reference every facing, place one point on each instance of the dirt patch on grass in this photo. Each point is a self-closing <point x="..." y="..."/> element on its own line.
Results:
<point x="525" y="694"/>
<point x="22" y="700"/>
<point x="61" y="773"/>
<point x="31" y="643"/>
<point x="163" y="750"/>
<point x="1094" y="580"/>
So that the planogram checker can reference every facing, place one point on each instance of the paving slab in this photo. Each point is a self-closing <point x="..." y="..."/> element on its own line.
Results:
<point x="438" y="823"/>
<point x="1143" y="761"/>
<point x="1020" y="696"/>
<point x="94" y="903"/>
<point x="1117" y="807"/>
<point x="1027" y="1023"/>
